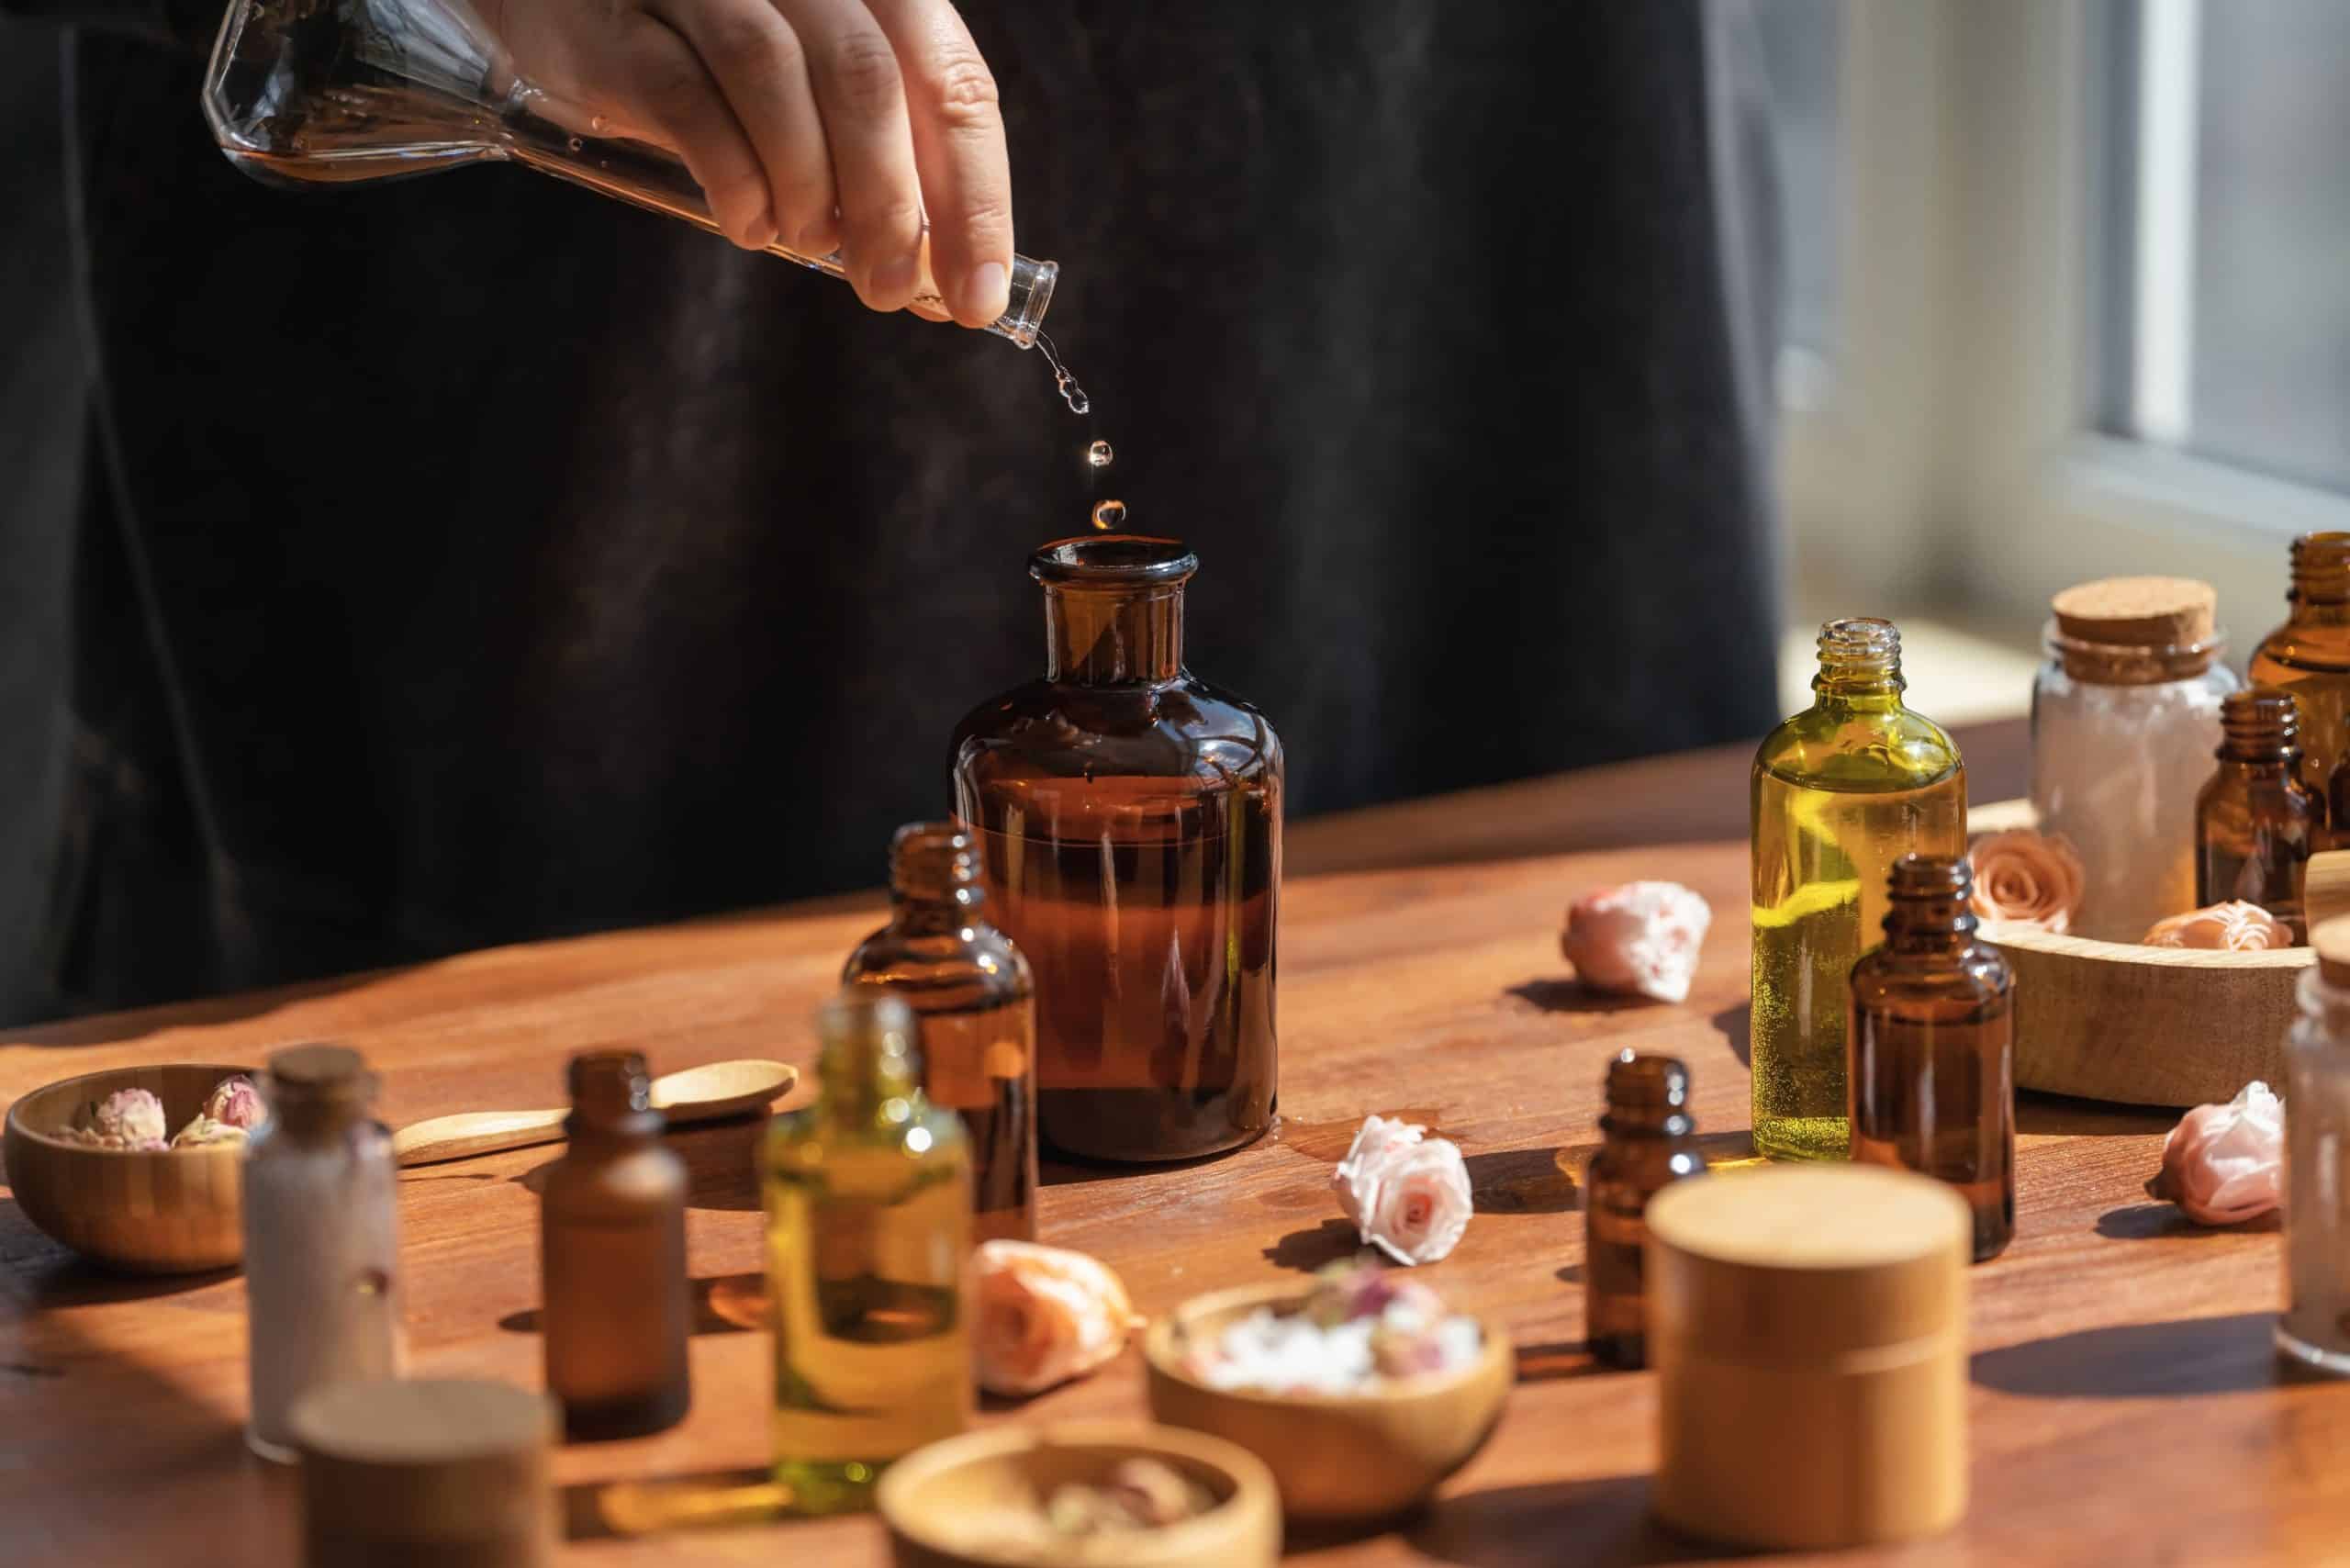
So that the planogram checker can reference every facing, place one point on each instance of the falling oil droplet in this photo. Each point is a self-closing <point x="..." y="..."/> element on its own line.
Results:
<point x="1109" y="514"/>
<point x="600" y="125"/>
<point x="574" y="144"/>
<point x="1071" y="392"/>
<point x="1099" y="454"/>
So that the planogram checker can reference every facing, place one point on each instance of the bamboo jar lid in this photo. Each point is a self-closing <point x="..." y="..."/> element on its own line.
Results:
<point x="1809" y="1328"/>
<point x="2138" y="612"/>
<point x="2330" y="934"/>
<point x="399" y="1471"/>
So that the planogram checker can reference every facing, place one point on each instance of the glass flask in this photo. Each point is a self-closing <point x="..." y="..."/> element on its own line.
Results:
<point x="2256" y="822"/>
<point x="1651" y="1141"/>
<point x="1839" y="792"/>
<point x="331" y="91"/>
<point x="1933" y="1033"/>
<point x="975" y="1013"/>
<point x="868" y="1214"/>
<point x="1130" y="816"/>
<point x="2314" y="1328"/>
<point x="2309" y="656"/>
<point x="2125" y="715"/>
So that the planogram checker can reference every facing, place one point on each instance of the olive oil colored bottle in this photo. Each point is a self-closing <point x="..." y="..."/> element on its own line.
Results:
<point x="2255" y="824"/>
<point x="1934" y="1046"/>
<point x="1651" y="1142"/>
<point x="2308" y="656"/>
<point x="869" y="1214"/>
<point x="975" y="1011"/>
<point x="1840" y="791"/>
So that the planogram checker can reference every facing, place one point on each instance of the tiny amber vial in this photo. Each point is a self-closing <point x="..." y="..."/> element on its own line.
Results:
<point x="2257" y="823"/>
<point x="1650" y="1140"/>
<point x="1934" y="1038"/>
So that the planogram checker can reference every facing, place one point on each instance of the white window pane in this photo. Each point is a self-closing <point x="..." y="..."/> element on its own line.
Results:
<point x="1799" y="50"/>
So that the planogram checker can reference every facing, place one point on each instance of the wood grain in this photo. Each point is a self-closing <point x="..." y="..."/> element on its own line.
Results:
<point x="2125" y="1405"/>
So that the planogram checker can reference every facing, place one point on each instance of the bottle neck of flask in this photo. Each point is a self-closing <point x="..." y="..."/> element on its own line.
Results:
<point x="1114" y="609"/>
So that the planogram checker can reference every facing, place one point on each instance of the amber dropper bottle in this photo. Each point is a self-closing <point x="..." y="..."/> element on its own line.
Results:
<point x="1933" y="1047"/>
<point x="2308" y="656"/>
<point x="2255" y="821"/>
<point x="612" y="1251"/>
<point x="1651" y="1141"/>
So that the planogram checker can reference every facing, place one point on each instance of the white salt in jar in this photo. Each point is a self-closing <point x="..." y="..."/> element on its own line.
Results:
<point x="2125" y="716"/>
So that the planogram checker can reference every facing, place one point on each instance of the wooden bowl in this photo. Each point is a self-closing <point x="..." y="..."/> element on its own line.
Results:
<point x="173" y="1212"/>
<point x="2142" y="1025"/>
<point x="1335" y="1456"/>
<point x="939" y="1502"/>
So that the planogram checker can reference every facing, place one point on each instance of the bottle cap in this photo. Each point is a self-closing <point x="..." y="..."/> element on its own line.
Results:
<point x="1635" y="1078"/>
<point x="321" y="1066"/>
<point x="2138" y="612"/>
<point x="609" y="1085"/>
<point x="430" y="1469"/>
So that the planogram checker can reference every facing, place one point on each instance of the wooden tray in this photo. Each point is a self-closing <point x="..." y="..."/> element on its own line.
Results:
<point x="2142" y="1025"/>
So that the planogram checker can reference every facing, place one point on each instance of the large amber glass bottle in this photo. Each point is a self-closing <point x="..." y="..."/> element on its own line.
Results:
<point x="975" y="1013"/>
<point x="2309" y="656"/>
<point x="869" y="1214"/>
<point x="1131" y="819"/>
<point x="1839" y="792"/>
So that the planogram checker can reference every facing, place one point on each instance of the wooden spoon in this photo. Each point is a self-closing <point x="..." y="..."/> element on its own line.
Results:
<point x="698" y="1095"/>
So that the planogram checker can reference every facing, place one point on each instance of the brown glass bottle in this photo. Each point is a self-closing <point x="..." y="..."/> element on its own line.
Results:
<point x="2256" y="822"/>
<point x="1130" y="816"/>
<point x="1651" y="1141"/>
<point x="975" y="1007"/>
<point x="2308" y="656"/>
<point x="1933" y="1032"/>
<point x="612" y="1256"/>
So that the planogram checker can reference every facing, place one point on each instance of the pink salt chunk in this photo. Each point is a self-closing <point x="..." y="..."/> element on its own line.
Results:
<point x="1640" y="937"/>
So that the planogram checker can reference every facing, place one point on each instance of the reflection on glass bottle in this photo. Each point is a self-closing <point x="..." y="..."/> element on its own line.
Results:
<point x="868" y="1211"/>
<point x="975" y="1007"/>
<point x="329" y="92"/>
<point x="2308" y="656"/>
<point x="1840" y="791"/>
<point x="1131" y="819"/>
<point x="2255" y="821"/>
<point x="2314" y="1328"/>
<point x="1934" y="1045"/>
<point x="1651" y="1142"/>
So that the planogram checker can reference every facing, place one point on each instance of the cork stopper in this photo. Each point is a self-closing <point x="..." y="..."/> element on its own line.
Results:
<point x="2332" y="940"/>
<point x="2139" y="612"/>
<point x="429" y="1470"/>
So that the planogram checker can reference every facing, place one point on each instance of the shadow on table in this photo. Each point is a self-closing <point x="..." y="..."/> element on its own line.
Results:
<point x="1603" y="1523"/>
<point x="1526" y="1180"/>
<point x="1736" y="1027"/>
<point x="723" y="1303"/>
<point x="1308" y="1249"/>
<point x="116" y="1028"/>
<point x="2139" y="1360"/>
<point x="1554" y="995"/>
<point x="45" y="1274"/>
<point x="1558" y="1359"/>
<point x="618" y="1510"/>
<point x="2063" y="1116"/>
<point x="2147" y="1221"/>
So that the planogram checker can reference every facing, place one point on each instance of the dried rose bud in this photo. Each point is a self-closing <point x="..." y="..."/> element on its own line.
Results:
<point x="133" y="1115"/>
<point x="204" y="1130"/>
<point x="2225" y="1164"/>
<point x="1405" y="1352"/>
<point x="235" y="1102"/>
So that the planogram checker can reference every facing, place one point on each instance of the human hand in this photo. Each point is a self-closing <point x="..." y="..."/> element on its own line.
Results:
<point x="829" y="124"/>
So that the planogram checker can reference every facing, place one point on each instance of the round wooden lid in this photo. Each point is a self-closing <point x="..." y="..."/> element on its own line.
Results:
<point x="2138" y="612"/>
<point x="1803" y="1264"/>
<point x="426" y="1460"/>
<point x="2332" y="940"/>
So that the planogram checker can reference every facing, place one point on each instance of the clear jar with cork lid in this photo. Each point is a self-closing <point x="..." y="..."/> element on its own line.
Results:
<point x="2125" y="713"/>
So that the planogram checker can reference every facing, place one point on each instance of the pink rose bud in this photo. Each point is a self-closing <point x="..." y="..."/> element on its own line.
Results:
<point x="235" y="1101"/>
<point x="1046" y="1315"/>
<point x="132" y="1116"/>
<point x="2225" y="1164"/>
<point x="1641" y="938"/>
<point x="1407" y="1193"/>
<point x="2234" y="927"/>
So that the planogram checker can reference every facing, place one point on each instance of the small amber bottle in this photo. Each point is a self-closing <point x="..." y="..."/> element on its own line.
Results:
<point x="975" y="1009"/>
<point x="1934" y="1045"/>
<point x="2256" y="822"/>
<point x="2308" y="656"/>
<point x="612" y="1252"/>
<point x="1651" y="1141"/>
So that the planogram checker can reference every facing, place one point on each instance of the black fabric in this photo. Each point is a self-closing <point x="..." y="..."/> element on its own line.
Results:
<point x="470" y="559"/>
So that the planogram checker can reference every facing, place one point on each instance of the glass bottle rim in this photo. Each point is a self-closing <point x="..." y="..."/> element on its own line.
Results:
<point x="2130" y="664"/>
<point x="1112" y="560"/>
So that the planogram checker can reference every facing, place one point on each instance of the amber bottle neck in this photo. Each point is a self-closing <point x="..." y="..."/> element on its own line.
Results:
<point x="1124" y="636"/>
<point x="1648" y="1097"/>
<point x="933" y="879"/>
<point x="612" y="1102"/>
<point x="1929" y="912"/>
<point x="2259" y="731"/>
<point x="2321" y="593"/>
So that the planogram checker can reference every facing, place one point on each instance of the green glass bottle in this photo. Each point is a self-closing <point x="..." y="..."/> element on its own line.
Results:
<point x="869" y="1214"/>
<point x="1841" y="792"/>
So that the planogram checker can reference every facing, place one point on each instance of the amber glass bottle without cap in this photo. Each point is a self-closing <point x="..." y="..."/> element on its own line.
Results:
<point x="975" y="1011"/>
<point x="613" y="1249"/>
<point x="1933" y="1047"/>
<point x="1131" y="819"/>
<point x="2310" y="657"/>
<point x="2256" y="822"/>
<point x="1651" y="1142"/>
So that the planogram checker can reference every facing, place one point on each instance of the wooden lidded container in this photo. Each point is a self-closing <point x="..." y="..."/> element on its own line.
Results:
<point x="445" y="1471"/>
<point x="1809" y="1328"/>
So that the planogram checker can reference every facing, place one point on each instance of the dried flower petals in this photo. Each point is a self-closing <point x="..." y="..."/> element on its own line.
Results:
<point x="1358" y="1326"/>
<point x="1639" y="938"/>
<point x="1407" y="1193"/>
<point x="204" y="1130"/>
<point x="127" y="1117"/>
<point x="2233" y="927"/>
<point x="2027" y="879"/>
<point x="1046" y="1315"/>
<point x="2225" y="1164"/>
<point x="235" y="1102"/>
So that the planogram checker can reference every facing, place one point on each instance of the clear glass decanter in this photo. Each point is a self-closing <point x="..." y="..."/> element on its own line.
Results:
<point x="330" y="91"/>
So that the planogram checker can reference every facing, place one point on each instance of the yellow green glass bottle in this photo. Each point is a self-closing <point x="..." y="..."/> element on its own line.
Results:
<point x="868" y="1214"/>
<point x="1841" y="792"/>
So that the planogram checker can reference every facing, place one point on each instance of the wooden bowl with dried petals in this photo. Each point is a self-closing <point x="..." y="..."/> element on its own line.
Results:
<point x="1335" y="1456"/>
<point x="2136" y="1024"/>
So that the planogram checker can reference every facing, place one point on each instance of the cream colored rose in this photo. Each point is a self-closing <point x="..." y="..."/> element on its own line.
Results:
<point x="1045" y="1315"/>
<point x="2234" y="927"/>
<point x="1407" y="1193"/>
<point x="2027" y="877"/>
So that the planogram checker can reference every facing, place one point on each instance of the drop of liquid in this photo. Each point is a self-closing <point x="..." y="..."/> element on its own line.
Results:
<point x="600" y="125"/>
<point x="574" y="144"/>
<point x="1109" y="514"/>
<point x="1099" y="454"/>
<point x="1071" y="392"/>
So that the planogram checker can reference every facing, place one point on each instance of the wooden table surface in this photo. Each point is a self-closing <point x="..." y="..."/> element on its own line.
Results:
<point x="2126" y="1406"/>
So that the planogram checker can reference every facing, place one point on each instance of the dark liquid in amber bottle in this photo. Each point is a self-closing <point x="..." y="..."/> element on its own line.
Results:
<point x="1652" y="1141"/>
<point x="2256" y="822"/>
<point x="1933" y="1047"/>
<point x="1131" y="817"/>
<point x="2308" y="656"/>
